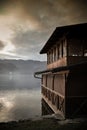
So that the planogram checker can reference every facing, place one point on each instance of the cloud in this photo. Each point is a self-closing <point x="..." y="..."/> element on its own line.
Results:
<point x="35" y="20"/>
<point x="1" y="45"/>
<point x="9" y="56"/>
<point x="28" y="43"/>
<point x="47" y="13"/>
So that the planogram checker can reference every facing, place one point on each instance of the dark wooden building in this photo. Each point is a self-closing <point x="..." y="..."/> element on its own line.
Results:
<point x="64" y="82"/>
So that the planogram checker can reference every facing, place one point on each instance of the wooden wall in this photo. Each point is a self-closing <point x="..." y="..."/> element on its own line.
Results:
<point x="50" y="81"/>
<point x="76" y="85"/>
<point x="67" y="90"/>
<point x="59" y="84"/>
<point x="59" y="63"/>
<point x="56" y="55"/>
<point x="76" y="59"/>
<point x="53" y="89"/>
<point x="76" y="92"/>
<point x="55" y="82"/>
<point x="44" y="80"/>
<point x="67" y="51"/>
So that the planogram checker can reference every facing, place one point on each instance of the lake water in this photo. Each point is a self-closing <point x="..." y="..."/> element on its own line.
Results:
<point x="20" y="97"/>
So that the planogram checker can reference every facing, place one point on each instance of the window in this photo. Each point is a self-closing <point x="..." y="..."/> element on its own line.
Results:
<point x="85" y="53"/>
<point x="85" y="47"/>
<point x="55" y="54"/>
<point x="60" y="50"/>
<point x="47" y="58"/>
<point x="64" y="48"/>
<point x="75" y="48"/>
<point x="52" y="55"/>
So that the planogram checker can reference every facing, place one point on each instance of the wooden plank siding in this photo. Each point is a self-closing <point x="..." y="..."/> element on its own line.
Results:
<point x="59" y="63"/>
<point x="53" y="90"/>
<point x="59" y="83"/>
<point x="67" y="52"/>
<point x="75" y="59"/>
<point x="66" y="91"/>
<point x="76" y="93"/>
<point x="56" y="56"/>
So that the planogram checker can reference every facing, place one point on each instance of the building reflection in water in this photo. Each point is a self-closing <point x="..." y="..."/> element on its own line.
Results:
<point x="46" y="110"/>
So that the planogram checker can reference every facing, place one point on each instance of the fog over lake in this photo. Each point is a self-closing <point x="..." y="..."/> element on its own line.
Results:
<point x="20" y="97"/>
<point x="20" y="92"/>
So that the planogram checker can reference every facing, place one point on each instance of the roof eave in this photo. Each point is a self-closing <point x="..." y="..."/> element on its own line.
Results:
<point x="60" y="31"/>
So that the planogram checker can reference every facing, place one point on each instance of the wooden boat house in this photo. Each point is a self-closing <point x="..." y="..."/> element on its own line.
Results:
<point x="64" y="82"/>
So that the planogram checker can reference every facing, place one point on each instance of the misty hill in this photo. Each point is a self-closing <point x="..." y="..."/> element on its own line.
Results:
<point x="21" y="66"/>
<point x="7" y="67"/>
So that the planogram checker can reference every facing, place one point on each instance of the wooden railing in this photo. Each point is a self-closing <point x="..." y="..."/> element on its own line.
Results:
<point x="55" y="98"/>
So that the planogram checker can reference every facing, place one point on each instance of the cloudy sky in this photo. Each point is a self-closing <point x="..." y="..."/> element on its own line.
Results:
<point x="25" y="25"/>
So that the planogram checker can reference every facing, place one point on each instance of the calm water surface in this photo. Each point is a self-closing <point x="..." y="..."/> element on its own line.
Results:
<point x="20" y="97"/>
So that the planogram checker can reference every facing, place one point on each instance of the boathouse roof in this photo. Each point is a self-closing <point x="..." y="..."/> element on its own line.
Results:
<point x="75" y="30"/>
